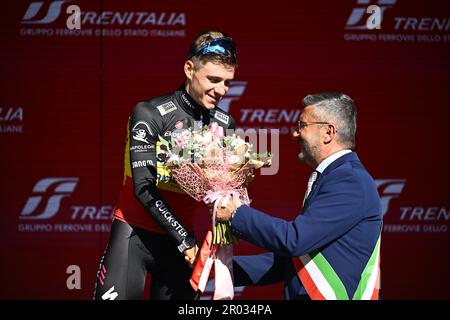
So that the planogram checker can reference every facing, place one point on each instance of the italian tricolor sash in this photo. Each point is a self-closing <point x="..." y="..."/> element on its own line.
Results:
<point x="322" y="283"/>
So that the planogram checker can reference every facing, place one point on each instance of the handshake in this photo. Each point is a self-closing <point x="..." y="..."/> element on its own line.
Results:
<point x="226" y="208"/>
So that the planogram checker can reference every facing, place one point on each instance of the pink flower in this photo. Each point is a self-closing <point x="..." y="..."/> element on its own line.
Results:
<point x="179" y="143"/>
<point x="183" y="138"/>
<point x="216" y="130"/>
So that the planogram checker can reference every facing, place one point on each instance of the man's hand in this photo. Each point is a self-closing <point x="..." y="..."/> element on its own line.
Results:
<point x="190" y="255"/>
<point x="225" y="212"/>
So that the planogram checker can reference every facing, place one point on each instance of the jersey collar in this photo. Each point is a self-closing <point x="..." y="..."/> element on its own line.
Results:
<point x="189" y="104"/>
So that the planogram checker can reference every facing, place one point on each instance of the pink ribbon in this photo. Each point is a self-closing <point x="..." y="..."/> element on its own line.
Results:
<point x="221" y="257"/>
<point x="213" y="197"/>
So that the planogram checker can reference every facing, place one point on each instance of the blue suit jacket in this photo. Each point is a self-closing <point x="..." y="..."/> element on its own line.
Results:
<point x="341" y="218"/>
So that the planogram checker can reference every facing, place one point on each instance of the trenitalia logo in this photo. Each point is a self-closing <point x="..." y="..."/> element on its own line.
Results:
<point x="357" y="20"/>
<point x="53" y="12"/>
<point x="236" y="90"/>
<point x="142" y="18"/>
<point x="388" y="190"/>
<point x="282" y="119"/>
<point x="49" y="191"/>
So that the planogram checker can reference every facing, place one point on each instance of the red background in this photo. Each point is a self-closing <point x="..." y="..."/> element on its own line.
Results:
<point x="77" y="92"/>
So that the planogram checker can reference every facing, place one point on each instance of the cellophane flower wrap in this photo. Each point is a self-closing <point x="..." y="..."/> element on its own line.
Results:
<point x="208" y="165"/>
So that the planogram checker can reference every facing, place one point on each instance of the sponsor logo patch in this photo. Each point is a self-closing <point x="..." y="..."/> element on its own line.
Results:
<point x="110" y="294"/>
<point x="142" y="148"/>
<point x="143" y="163"/>
<point x="166" y="108"/>
<point x="141" y="131"/>
<point x="222" y="117"/>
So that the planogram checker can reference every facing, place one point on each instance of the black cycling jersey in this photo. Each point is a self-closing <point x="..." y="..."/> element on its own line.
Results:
<point x="145" y="226"/>
<point x="164" y="116"/>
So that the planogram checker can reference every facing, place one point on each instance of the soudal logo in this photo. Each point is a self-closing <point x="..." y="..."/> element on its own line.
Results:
<point x="389" y="189"/>
<point x="41" y="12"/>
<point x="47" y="197"/>
<point x="235" y="91"/>
<point x="358" y="19"/>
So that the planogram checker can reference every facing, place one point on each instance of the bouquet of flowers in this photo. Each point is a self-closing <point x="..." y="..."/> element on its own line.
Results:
<point x="208" y="166"/>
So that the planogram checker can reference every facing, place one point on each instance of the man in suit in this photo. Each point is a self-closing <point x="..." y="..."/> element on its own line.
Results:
<point x="332" y="248"/>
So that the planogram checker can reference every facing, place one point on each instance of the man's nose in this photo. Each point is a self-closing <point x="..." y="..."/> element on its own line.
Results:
<point x="295" y="134"/>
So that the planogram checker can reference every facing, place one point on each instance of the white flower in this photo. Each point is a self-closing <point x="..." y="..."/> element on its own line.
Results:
<point x="233" y="159"/>
<point x="237" y="142"/>
<point x="206" y="139"/>
<point x="174" y="158"/>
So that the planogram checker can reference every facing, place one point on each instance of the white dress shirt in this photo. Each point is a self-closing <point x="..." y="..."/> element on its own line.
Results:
<point x="330" y="159"/>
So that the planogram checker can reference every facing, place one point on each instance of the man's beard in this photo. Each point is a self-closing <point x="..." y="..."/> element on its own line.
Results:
<point x="307" y="153"/>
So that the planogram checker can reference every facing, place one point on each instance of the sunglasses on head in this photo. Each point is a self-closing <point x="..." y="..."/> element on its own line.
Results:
<point x="219" y="46"/>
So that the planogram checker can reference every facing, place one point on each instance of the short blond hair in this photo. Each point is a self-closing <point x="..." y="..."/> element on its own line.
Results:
<point x="203" y="39"/>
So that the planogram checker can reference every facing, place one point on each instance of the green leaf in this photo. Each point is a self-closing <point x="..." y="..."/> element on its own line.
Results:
<point x="164" y="142"/>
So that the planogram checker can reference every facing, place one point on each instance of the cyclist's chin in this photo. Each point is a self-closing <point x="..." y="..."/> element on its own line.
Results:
<point x="206" y="103"/>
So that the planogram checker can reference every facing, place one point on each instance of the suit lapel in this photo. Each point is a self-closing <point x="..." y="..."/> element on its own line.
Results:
<point x="335" y="164"/>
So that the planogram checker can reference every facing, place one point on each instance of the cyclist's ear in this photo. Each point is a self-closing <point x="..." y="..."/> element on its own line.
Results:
<point x="189" y="69"/>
